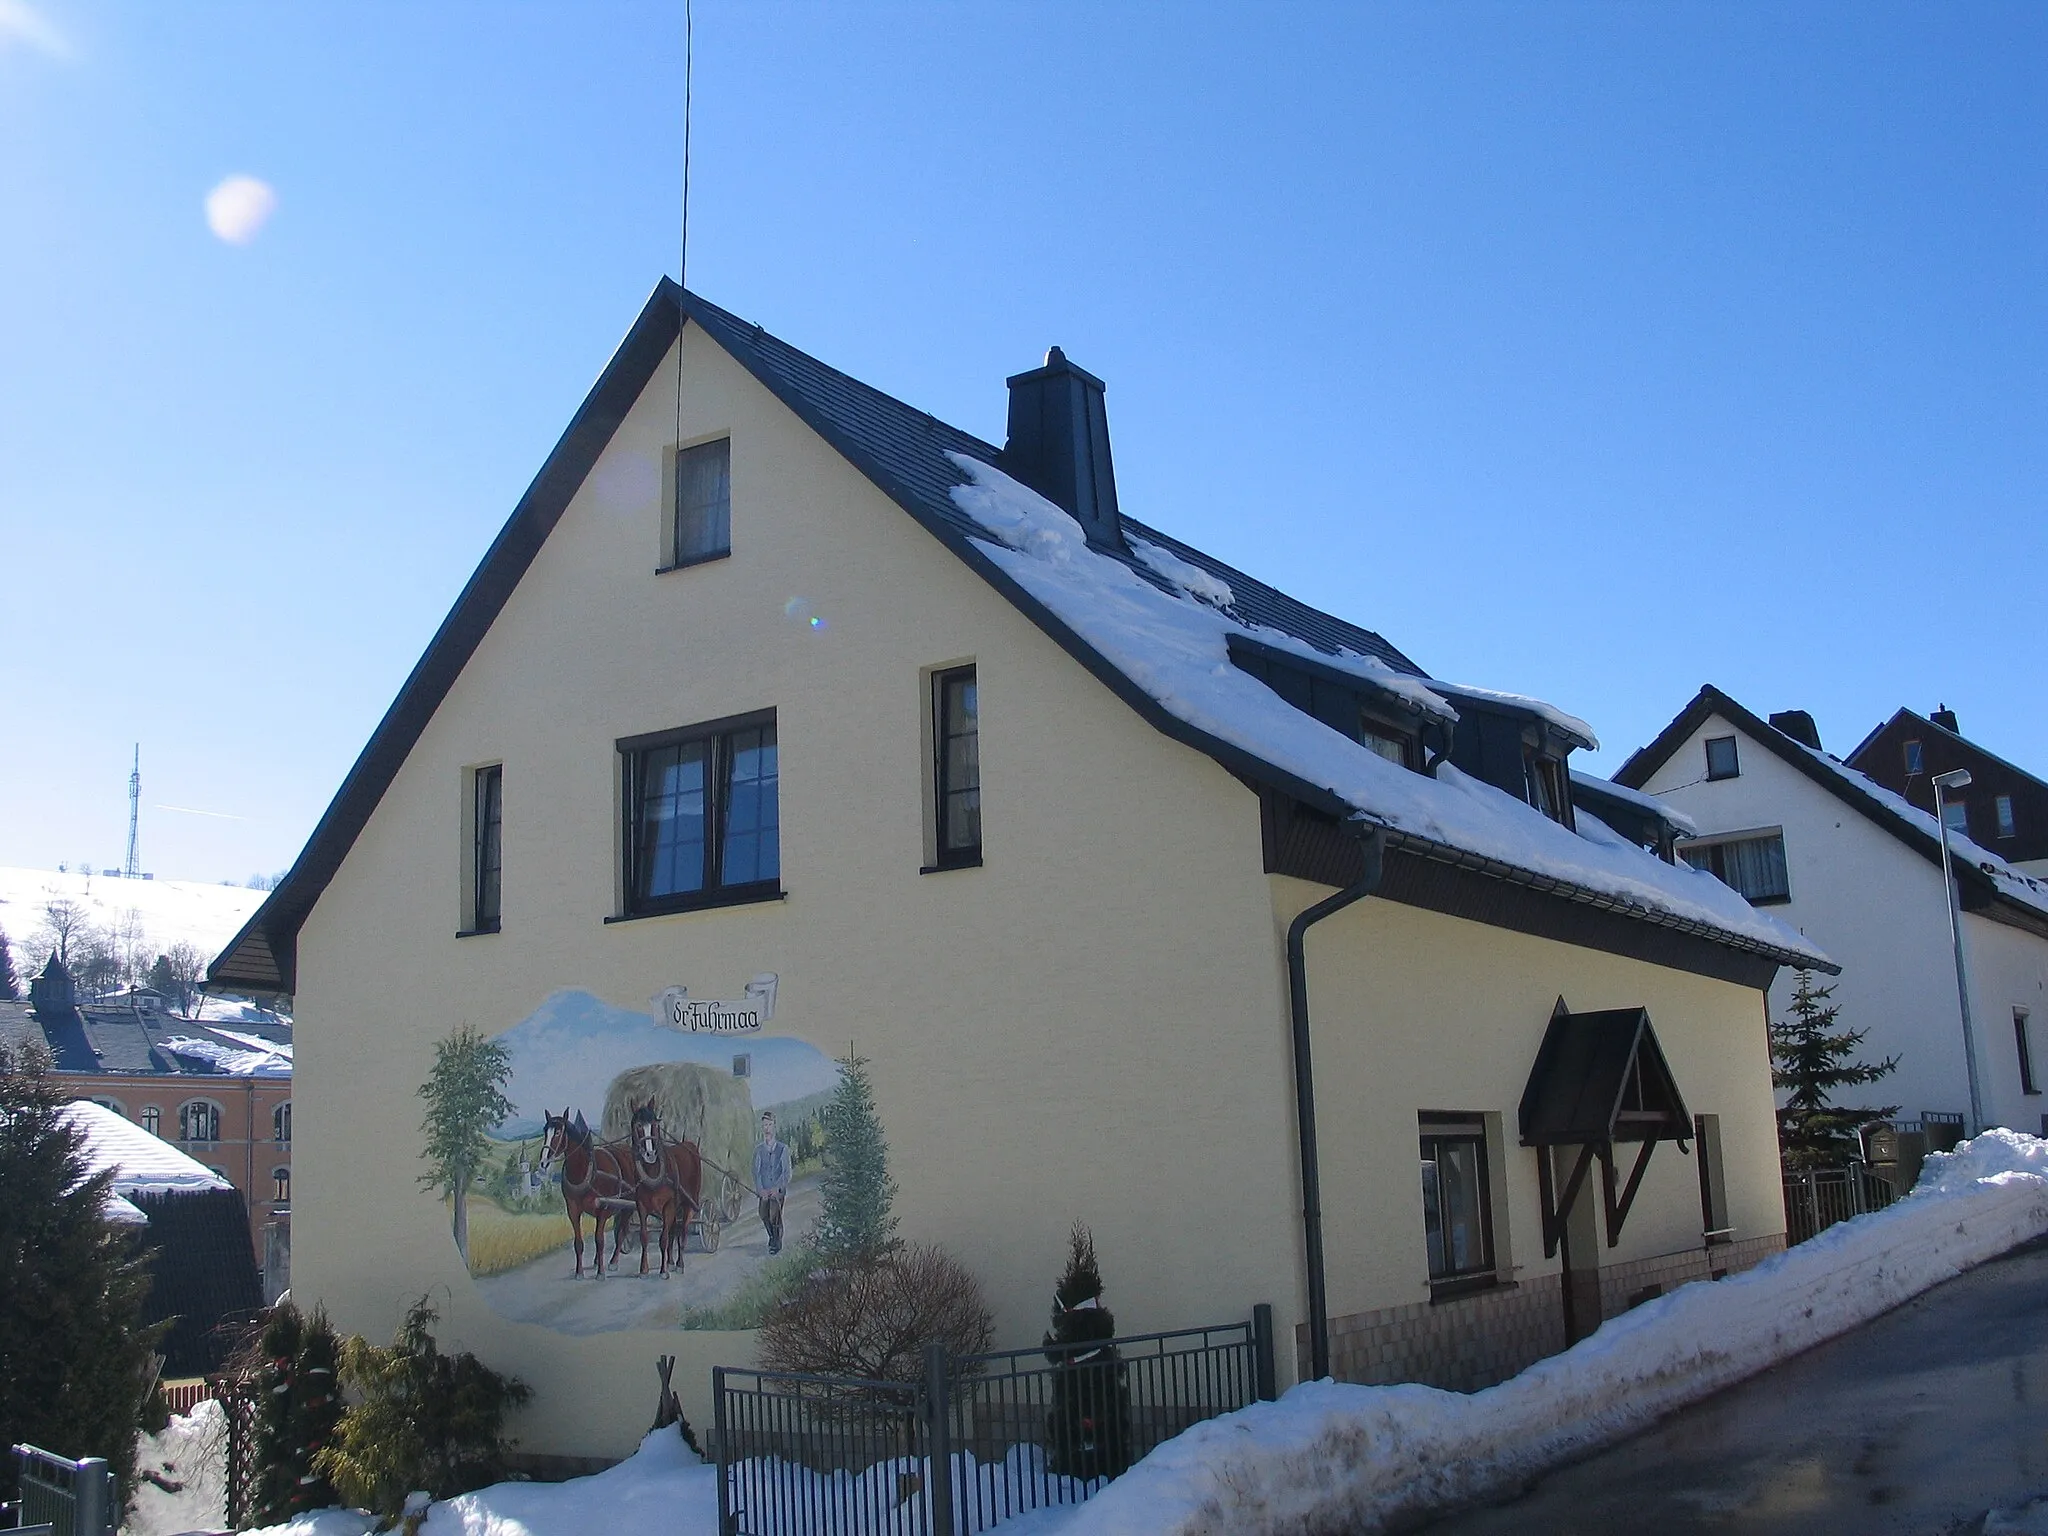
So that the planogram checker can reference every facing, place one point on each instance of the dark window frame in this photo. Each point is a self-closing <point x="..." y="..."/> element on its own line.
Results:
<point x="674" y="558"/>
<point x="280" y="1186"/>
<point x="486" y="849"/>
<point x="1374" y="724"/>
<point x="1545" y="775"/>
<point x="2025" y="1045"/>
<point x="1713" y="848"/>
<point x="281" y="1124"/>
<point x="947" y="854"/>
<point x="716" y="736"/>
<point x="1435" y="1130"/>
<point x="1916" y="759"/>
<point x="1734" y="769"/>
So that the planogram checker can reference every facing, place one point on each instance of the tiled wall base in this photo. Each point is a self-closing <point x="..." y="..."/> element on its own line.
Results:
<point x="1478" y="1340"/>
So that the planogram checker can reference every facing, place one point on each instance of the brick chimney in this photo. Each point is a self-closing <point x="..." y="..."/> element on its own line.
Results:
<point x="1059" y="446"/>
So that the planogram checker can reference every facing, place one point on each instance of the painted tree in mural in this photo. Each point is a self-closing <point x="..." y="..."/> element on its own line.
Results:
<point x="465" y="1096"/>
<point x="1812" y="1058"/>
<point x="857" y="1196"/>
<point x="1088" y="1431"/>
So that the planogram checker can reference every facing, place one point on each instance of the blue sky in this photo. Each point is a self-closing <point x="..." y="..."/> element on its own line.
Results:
<point x="1588" y="351"/>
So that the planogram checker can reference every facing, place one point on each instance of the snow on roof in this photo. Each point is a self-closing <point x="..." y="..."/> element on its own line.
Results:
<point x="251" y="1056"/>
<point x="142" y="1163"/>
<point x="1176" y="650"/>
<point x="1550" y="714"/>
<point x="123" y="1213"/>
<point x="1637" y="797"/>
<point x="2009" y="882"/>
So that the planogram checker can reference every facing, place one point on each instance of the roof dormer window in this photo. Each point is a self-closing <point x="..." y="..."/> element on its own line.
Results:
<point x="1383" y="740"/>
<point x="1545" y="778"/>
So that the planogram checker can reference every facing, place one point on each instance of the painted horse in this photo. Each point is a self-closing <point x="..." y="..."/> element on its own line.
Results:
<point x="668" y="1185"/>
<point x="598" y="1180"/>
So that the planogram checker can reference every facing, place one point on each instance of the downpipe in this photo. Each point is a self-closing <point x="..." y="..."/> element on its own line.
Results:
<point x="1374" y="846"/>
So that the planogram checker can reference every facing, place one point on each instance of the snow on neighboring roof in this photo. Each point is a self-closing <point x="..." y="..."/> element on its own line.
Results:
<point x="1176" y="650"/>
<point x="142" y="1163"/>
<point x="1191" y="579"/>
<point x="2009" y="882"/>
<point x="1638" y="798"/>
<point x="1550" y="714"/>
<point x="251" y="1056"/>
<point x="123" y="1213"/>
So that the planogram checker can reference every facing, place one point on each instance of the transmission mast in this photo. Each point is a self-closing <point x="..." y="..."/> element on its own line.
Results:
<point x="133" y="869"/>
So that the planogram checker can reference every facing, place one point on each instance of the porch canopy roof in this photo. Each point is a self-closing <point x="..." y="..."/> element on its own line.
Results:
<point x="1601" y="1078"/>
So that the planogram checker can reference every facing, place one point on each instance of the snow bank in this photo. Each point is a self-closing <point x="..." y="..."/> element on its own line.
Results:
<point x="181" y="1476"/>
<point x="1329" y="1457"/>
<point x="1176" y="649"/>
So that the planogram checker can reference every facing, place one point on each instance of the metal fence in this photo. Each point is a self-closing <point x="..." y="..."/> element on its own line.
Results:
<point x="65" y="1497"/>
<point x="978" y="1439"/>
<point x="1817" y="1198"/>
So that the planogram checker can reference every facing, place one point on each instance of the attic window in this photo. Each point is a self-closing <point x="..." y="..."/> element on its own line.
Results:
<point x="1381" y="739"/>
<point x="1913" y="760"/>
<point x="1722" y="762"/>
<point x="1546" y="783"/>
<point x="703" y="503"/>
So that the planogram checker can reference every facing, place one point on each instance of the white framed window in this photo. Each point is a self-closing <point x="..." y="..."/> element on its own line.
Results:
<point x="152" y="1119"/>
<point x="281" y="1124"/>
<point x="1957" y="816"/>
<point x="2003" y="806"/>
<point x="1457" y="1201"/>
<point x="199" y="1120"/>
<point x="281" y="1186"/>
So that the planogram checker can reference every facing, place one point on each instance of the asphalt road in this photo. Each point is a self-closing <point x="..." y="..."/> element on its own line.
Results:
<point x="1919" y="1422"/>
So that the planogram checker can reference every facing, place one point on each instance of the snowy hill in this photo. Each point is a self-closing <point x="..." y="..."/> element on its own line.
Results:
<point x="168" y="911"/>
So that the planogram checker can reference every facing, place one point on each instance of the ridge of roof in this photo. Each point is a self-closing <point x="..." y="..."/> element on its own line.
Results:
<point x="1994" y="882"/>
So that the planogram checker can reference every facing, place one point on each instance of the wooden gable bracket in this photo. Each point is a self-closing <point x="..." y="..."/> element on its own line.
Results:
<point x="1617" y="1210"/>
<point x="1554" y="1206"/>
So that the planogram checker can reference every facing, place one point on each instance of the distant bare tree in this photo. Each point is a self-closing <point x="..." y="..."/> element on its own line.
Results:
<point x="64" y="925"/>
<point x="180" y="968"/>
<point x="131" y="947"/>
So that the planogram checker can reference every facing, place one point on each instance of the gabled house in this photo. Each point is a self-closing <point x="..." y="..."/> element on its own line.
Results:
<point x="783" y="723"/>
<point x="1857" y="867"/>
<point x="2004" y="808"/>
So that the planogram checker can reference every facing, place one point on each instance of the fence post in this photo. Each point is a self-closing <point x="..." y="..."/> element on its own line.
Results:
<point x="1265" y="1378"/>
<point x="938" y="1438"/>
<point x="92" y="1490"/>
<point x="719" y="1453"/>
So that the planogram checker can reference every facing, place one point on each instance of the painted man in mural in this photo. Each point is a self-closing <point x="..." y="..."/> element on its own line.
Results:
<point x="772" y="1168"/>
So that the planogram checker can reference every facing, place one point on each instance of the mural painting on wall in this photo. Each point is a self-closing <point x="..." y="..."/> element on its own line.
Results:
<point x="656" y="1169"/>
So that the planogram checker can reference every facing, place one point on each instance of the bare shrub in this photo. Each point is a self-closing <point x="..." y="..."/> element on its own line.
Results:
<point x="873" y="1316"/>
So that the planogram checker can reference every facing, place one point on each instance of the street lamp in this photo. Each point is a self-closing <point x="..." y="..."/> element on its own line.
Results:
<point x="1959" y="778"/>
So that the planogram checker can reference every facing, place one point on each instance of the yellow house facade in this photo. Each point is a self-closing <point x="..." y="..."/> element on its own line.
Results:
<point x="783" y="723"/>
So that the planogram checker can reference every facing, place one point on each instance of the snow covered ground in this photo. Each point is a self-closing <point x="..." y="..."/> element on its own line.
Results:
<point x="169" y="911"/>
<point x="1329" y="1457"/>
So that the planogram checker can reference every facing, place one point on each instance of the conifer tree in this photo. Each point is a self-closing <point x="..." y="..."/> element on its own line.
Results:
<point x="75" y="1356"/>
<point x="1811" y="1058"/>
<point x="422" y="1420"/>
<point x="1088" y="1431"/>
<point x="297" y="1408"/>
<point x="465" y="1097"/>
<point x="856" y="1217"/>
<point x="10" y="982"/>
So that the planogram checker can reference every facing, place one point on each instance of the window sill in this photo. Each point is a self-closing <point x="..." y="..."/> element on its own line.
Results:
<point x="1466" y="1285"/>
<point x="472" y="933"/>
<point x="684" y="565"/>
<point x="1720" y="1238"/>
<point x="964" y="861"/>
<point x="737" y="896"/>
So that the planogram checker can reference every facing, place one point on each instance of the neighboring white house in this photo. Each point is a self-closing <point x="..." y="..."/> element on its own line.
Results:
<point x="1858" y="869"/>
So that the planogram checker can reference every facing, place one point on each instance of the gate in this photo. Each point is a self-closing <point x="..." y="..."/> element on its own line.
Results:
<point x="978" y="1439"/>
<point x="1817" y="1198"/>
<point x="65" y="1497"/>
